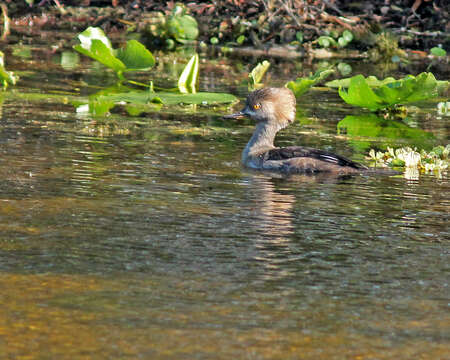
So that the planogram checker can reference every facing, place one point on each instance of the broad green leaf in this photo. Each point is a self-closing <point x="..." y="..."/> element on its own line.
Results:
<point x="201" y="98"/>
<point x="99" y="106"/>
<point x="183" y="28"/>
<point x="302" y="85"/>
<point x="257" y="73"/>
<point x="135" y="56"/>
<point x="189" y="77"/>
<point x="92" y="33"/>
<point x="103" y="100"/>
<point x="360" y="94"/>
<point x="103" y="54"/>
<point x="389" y="92"/>
<point x="423" y="87"/>
<point x="372" y="81"/>
<point x="437" y="51"/>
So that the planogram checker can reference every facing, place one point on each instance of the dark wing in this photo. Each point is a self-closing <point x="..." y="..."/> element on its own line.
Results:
<point x="299" y="151"/>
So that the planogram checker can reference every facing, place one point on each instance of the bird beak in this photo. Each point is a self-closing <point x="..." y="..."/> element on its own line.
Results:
<point x="239" y="115"/>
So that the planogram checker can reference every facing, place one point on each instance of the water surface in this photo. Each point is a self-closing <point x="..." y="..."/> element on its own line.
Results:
<point x="142" y="237"/>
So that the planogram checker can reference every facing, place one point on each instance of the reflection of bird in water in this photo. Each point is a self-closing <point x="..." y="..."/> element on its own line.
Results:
<point x="273" y="109"/>
<point x="274" y="221"/>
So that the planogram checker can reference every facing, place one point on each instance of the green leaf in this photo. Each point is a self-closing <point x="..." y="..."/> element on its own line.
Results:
<point x="347" y="35"/>
<point x="255" y="76"/>
<point x="299" y="36"/>
<point x="326" y="41"/>
<point x="96" y="45"/>
<point x="189" y="77"/>
<point x="92" y="33"/>
<point x="372" y="81"/>
<point x="201" y="98"/>
<point x="389" y="93"/>
<point x="240" y="40"/>
<point x="344" y="68"/>
<point x="166" y="98"/>
<point x="360" y="94"/>
<point x="6" y="77"/>
<point x="104" y="55"/>
<point x="342" y="42"/>
<point x="437" y="51"/>
<point x="135" y="56"/>
<point x="302" y="85"/>
<point x="183" y="28"/>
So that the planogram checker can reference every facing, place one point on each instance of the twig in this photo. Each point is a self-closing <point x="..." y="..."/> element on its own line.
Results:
<point x="60" y="7"/>
<point x="291" y="14"/>
<point x="424" y="33"/>
<point x="299" y="24"/>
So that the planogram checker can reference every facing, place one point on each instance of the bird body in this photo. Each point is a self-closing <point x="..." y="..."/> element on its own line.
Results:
<point x="273" y="109"/>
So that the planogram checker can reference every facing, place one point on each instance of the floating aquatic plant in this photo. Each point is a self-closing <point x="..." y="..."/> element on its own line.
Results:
<point x="413" y="161"/>
<point x="95" y="44"/>
<point x="386" y="94"/>
<point x="255" y="76"/>
<point x="177" y="26"/>
<point x="335" y="39"/>
<point x="302" y="85"/>
<point x="444" y="108"/>
<point x="6" y="77"/>
<point x="189" y="77"/>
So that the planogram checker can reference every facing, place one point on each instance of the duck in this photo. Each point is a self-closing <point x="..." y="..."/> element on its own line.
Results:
<point x="273" y="109"/>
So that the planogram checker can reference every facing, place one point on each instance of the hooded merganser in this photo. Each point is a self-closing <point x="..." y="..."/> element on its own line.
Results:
<point x="273" y="109"/>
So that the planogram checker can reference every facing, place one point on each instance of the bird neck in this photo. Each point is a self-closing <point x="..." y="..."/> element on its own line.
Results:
<point x="262" y="139"/>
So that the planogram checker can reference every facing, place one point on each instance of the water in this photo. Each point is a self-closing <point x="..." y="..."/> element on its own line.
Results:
<point x="142" y="237"/>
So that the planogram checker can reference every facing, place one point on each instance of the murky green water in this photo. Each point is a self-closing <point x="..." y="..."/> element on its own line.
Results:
<point x="142" y="237"/>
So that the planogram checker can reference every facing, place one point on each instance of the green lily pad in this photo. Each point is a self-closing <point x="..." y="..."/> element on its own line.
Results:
<point x="102" y="102"/>
<point x="171" y="98"/>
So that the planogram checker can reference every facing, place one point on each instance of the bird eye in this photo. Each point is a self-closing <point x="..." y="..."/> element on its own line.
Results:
<point x="257" y="106"/>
